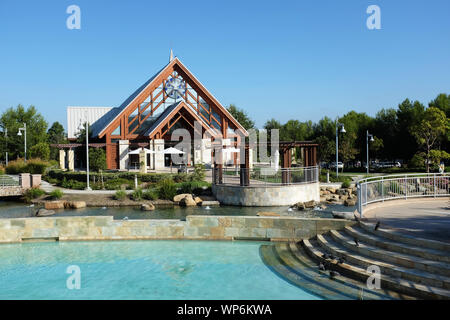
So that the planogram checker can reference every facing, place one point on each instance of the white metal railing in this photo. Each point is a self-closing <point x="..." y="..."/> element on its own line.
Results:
<point x="382" y="188"/>
<point x="8" y="181"/>
<point x="270" y="176"/>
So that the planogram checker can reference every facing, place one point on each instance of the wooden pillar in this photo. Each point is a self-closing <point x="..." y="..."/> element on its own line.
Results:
<point x="286" y="162"/>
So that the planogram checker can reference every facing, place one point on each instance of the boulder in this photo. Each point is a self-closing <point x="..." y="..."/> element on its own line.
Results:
<point x="350" y="202"/>
<point x="310" y="204"/>
<point x="147" y="207"/>
<point x="53" y="205"/>
<point x="342" y="215"/>
<point x="299" y="206"/>
<point x="44" y="213"/>
<point x="331" y="189"/>
<point x="342" y="192"/>
<point x="178" y="197"/>
<point x="267" y="214"/>
<point x="198" y="200"/>
<point x="77" y="204"/>
<point x="343" y="197"/>
<point x="187" y="201"/>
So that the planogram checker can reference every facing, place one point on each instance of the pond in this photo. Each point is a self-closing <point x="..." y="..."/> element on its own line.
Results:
<point x="12" y="209"/>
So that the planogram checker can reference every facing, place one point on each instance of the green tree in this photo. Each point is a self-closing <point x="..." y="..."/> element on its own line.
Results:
<point x="241" y="116"/>
<point x="13" y="119"/>
<point x="97" y="159"/>
<point x="56" y="135"/>
<point x="434" y="123"/>
<point x="40" y="150"/>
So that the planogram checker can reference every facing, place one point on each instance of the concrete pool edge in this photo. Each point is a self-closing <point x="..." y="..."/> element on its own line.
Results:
<point x="196" y="227"/>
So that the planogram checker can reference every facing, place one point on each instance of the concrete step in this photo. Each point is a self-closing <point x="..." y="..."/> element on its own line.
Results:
<point x="340" y="285"/>
<point x="397" y="258"/>
<point x="311" y="285"/>
<point x="418" y="276"/>
<point x="300" y="255"/>
<point x="391" y="245"/>
<point x="404" y="238"/>
<point x="409" y="288"/>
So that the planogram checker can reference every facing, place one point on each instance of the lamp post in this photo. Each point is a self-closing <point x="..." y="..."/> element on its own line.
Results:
<point x="6" y="146"/>
<point x="24" y="129"/>
<point x="338" y="125"/>
<point x="367" y="147"/>
<point x="87" y="152"/>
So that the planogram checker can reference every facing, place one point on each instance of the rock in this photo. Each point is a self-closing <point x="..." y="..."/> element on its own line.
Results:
<point x="310" y="204"/>
<point x="299" y="206"/>
<point x="267" y="214"/>
<point x="350" y="202"/>
<point x="187" y="201"/>
<point x="323" y="207"/>
<point x="53" y="205"/>
<point x="343" y="197"/>
<point x="342" y="215"/>
<point x="342" y="192"/>
<point x="210" y="203"/>
<point x="331" y="189"/>
<point x="323" y="199"/>
<point x="198" y="200"/>
<point x="147" y="207"/>
<point x="77" y="204"/>
<point x="44" y="213"/>
<point x="178" y="197"/>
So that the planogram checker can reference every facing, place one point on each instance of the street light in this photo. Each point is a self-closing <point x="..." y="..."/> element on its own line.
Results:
<point x="367" y="147"/>
<point x="338" y="125"/>
<point x="87" y="152"/>
<point x="6" y="146"/>
<point x="24" y="129"/>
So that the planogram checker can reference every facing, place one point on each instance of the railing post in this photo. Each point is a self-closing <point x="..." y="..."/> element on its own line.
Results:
<point x="434" y="184"/>
<point x="406" y="189"/>
<point x="359" y="194"/>
<point x="382" y="188"/>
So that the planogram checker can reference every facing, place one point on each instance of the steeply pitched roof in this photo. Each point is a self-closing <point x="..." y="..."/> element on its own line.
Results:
<point x="104" y="123"/>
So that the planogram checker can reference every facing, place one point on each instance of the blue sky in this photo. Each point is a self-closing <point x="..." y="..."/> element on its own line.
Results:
<point x="281" y="59"/>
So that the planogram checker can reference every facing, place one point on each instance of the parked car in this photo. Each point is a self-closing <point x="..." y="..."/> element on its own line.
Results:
<point x="340" y="165"/>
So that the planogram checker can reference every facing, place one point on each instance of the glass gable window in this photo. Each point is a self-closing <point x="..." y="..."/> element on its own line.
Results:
<point x="116" y="132"/>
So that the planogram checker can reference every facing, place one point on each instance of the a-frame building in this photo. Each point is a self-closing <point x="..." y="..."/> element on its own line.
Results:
<point x="172" y="98"/>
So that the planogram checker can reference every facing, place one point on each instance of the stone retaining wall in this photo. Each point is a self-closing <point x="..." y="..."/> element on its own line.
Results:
<point x="266" y="195"/>
<point x="195" y="227"/>
<point x="10" y="191"/>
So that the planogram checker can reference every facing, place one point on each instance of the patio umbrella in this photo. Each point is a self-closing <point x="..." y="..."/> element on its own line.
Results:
<point x="172" y="150"/>
<point x="137" y="151"/>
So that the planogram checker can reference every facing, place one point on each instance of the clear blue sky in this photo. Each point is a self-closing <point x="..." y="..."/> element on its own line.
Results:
<point x="282" y="59"/>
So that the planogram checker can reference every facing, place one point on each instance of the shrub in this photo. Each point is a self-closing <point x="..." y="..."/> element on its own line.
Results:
<point x="346" y="183"/>
<point x="191" y="187"/>
<point x="136" y="195"/>
<point x="120" y="195"/>
<point x="97" y="159"/>
<point x="73" y="184"/>
<point x="56" y="194"/>
<point x="150" y="194"/>
<point x="199" y="172"/>
<point x="2" y="170"/>
<point x="40" y="150"/>
<point x="167" y="189"/>
<point x="117" y="183"/>
<point x="33" y="193"/>
<point x="33" y="166"/>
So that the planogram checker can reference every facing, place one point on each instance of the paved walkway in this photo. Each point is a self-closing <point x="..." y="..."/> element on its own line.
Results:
<point x="47" y="187"/>
<point x="424" y="218"/>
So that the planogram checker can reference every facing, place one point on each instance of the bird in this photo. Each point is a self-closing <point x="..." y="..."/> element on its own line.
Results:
<point x="334" y="274"/>
<point x="356" y="242"/>
<point x="341" y="260"/>
<point x="326" y="256"/>
<point x="322" y="267"/>
<point x="377" y="226"/>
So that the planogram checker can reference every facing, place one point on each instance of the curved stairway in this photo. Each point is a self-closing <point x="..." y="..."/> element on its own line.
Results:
<point x="410" y="267"/>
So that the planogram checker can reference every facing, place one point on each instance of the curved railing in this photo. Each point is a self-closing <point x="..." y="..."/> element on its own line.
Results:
<point x="389" y="187"/>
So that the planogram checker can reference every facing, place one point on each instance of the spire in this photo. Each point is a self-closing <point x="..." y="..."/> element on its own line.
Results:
<point x="171" y="55"/>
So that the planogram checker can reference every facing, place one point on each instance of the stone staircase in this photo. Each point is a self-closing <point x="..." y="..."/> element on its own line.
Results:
<point x="410" y="267"/>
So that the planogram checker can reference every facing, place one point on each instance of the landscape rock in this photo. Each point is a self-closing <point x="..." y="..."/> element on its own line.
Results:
<point x="210" y="203"/>
<point x="198" y="200"/>
<point x="178" y="197"/>
<point x="350" y="202"/>
<point x="343" y="197"/>
<point x="77" y="204"/>
<point x="331" y="189"/>
<point x="299" y="206"/>
<point x="342" y="215"/>
<point x="187" y="201"/>
<point x="310" y="204"/>
<point x="44" y="213"/>
<point x="53" y="205"/>
<point x="147" y="207"/>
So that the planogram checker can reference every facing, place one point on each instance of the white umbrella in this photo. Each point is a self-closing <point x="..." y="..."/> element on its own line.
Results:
<point x="138" y="151"/>
<point x="231" y="150"/>
<point x="172" y="150"/>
